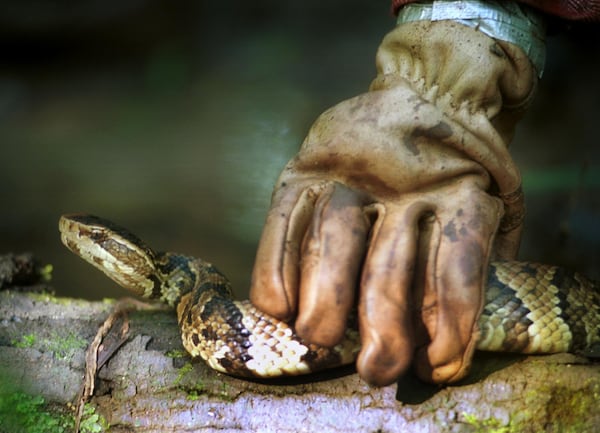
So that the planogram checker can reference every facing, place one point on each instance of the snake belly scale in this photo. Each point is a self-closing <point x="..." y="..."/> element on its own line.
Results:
<point x="529" y="308"/>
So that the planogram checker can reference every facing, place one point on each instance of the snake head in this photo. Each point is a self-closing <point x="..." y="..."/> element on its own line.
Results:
<point x="121" y="255"/>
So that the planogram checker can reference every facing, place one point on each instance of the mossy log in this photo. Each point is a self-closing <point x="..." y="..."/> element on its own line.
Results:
<point x="151" y="385"/>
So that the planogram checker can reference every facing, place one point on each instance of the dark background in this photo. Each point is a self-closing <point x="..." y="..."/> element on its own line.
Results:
<point x="174" y="119"/>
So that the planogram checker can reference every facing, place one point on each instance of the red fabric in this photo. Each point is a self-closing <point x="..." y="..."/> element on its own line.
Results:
<point x="587" y="10"/>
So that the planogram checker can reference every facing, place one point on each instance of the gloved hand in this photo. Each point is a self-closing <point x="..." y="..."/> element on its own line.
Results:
<point x="397" y="199"/>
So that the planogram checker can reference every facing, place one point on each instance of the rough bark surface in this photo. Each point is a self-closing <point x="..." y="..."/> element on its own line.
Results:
<point x="150" y="385"/>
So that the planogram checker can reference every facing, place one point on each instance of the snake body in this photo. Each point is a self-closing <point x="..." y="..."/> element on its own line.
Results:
<point x="529" y="308"/>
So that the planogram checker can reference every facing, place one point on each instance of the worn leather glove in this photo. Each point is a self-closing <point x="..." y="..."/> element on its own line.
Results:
<point x="397" y="200"/>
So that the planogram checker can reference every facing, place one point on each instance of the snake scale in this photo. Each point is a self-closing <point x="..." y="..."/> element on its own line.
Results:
<point x="529" y="308"/>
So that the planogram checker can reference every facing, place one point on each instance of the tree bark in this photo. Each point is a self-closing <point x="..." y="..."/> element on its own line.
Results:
<point x="151" y="385"/>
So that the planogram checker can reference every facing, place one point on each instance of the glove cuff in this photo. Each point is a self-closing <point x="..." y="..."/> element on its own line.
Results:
<point x="505" y="21"/>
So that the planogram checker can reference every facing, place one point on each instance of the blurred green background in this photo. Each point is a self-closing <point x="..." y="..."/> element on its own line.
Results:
<point x="175" y="118"/>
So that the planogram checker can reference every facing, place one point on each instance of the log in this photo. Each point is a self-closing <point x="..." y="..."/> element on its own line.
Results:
<point x="151" y="385"/>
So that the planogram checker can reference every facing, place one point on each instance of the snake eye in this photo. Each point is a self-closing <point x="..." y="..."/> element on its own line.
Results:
<point x="96" y="235"/>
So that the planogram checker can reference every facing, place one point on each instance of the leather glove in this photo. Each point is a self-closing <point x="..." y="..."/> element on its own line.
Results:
<point x="397" y="200"/>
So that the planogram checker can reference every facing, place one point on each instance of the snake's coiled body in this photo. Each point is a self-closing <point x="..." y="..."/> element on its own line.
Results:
<point x="529" y="308"/>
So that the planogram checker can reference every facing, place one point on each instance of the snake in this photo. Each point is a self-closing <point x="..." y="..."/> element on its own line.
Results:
<point x="529" y="308"/>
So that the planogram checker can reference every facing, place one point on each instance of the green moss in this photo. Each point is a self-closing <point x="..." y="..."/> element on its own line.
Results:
<point x="176" y="354"/>
<point x="26" y="341"/>
<point x="65" y="347"/>
<point x="23" y="413"/>
<point x="46" y="273"/>
<point x="568" y="410"/>
<point x="225" y="392"/>
<point x="182" y="372"/>
<point x="50" y="297"/>
<point x="194" y="390"/>
<point x="91" y="422"/>
<point x="489" y="425"/>
<point x="45" y="296"/>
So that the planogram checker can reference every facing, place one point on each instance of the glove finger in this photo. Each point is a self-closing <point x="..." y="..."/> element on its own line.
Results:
<point x="459" y="250"/>
<point x="508" y="238"/>
<point x="332" y="252"/>
<point x="274" y="287"/>
<point x="385" y="304"/>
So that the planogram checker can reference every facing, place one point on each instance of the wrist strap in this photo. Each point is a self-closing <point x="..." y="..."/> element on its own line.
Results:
<point x="503" y="20"/>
